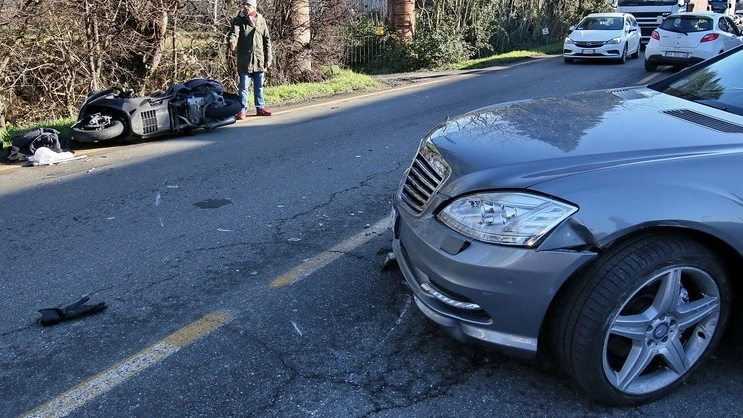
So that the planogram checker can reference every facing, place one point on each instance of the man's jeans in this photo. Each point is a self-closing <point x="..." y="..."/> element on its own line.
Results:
<point x="257" y="79"/>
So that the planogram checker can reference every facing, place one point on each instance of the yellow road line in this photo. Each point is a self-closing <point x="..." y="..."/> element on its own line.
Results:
<point x="68" y="401"/>
<point x="62" y="405"/>
<point x="326" y="257"/>
<point x="649" y="78"/>
<point x="4" y="167"/>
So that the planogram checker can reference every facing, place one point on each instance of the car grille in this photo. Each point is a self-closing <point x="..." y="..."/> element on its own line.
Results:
<point x="647" y="21"/>
<point x="590" y="44"/>
<point x="420" y="184"/>
<point x="632" y="93"/>
<point x="149" y="121"/>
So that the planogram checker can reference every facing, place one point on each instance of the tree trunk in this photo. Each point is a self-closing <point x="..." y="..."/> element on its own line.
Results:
<point x="301" y="34"/>
<point x="160" y="31"/>
<point x="94" y="46"/>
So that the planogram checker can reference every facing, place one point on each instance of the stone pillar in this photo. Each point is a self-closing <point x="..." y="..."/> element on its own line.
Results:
<point x="403" y="18"/>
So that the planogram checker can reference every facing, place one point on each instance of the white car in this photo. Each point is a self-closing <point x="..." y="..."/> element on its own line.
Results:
<point x="685" y="39"/>
<point x="612" y="36"/>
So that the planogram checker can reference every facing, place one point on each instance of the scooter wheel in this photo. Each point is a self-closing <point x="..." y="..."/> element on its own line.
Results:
<point x="230" y="108"/>
<point x="86" y="133"/>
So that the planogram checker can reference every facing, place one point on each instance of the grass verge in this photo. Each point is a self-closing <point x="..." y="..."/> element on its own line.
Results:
<point x="509" y="57"/>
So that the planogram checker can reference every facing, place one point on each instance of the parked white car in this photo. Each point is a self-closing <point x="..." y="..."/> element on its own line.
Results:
<point x="685" y="39"/>
<point x="612" y="36"/>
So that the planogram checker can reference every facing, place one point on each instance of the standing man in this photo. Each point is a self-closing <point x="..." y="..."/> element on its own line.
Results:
<point x="697" y="5"/>
<point x="251" y="42"/>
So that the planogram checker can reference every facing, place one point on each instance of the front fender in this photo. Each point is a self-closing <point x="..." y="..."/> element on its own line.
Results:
<point x="703" y="195"/>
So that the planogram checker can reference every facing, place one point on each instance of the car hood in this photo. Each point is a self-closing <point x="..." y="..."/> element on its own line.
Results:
<point x="521" y="144"/>
<point x="594" y="35"/>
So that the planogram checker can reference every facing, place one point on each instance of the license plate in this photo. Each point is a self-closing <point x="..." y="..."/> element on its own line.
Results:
<point x="677" y="54"/>
<point x="587" y="51"/>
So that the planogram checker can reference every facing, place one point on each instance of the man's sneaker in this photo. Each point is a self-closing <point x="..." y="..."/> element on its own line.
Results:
<point x="240" y="115"/>
<point x="263" y="112"/>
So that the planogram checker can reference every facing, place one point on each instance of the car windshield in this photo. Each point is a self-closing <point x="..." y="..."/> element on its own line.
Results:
<point x="687" y="24"/>
<point x="717" y="84"/>
<point x="600" y="23"/>
<point x="718" y="5"/>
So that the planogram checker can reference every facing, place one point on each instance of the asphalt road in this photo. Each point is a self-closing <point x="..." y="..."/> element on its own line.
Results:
<point x="242" y="270"/>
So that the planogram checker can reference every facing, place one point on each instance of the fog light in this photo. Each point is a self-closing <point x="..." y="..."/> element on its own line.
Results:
<point x="449" y="301"/>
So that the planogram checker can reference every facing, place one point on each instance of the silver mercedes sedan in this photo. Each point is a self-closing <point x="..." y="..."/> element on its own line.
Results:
<point x="603" y="228"/>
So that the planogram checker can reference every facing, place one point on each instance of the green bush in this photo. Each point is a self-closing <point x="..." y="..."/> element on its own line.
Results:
<point x="438" y="46"/>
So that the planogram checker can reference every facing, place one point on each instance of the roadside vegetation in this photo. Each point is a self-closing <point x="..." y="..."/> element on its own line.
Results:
<point x="339" y="81"/>
<point x="49" y="63"/>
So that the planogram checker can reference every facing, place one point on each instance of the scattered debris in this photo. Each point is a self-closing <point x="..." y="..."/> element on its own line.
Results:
<point x="389" y="260"/>
<point x="296" y="328"/>
<point x="42" y="146"/>
<point x="212" y="203"/>
<point x="47" y="156"/>
<point x="51" y="316"/>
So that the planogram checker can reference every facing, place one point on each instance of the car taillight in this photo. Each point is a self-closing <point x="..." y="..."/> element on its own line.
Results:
<point x="710" y="37"/>
<point x="655" y="35"/>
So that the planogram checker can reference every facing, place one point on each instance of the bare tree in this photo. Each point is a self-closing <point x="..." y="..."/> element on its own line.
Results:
<point x="147" y="20"/>
<point x="49" y="62"/>
<point x="17" y="19"/>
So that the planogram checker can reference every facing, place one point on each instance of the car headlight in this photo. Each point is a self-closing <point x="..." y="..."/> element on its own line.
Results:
<point x="505" y="218"/>
<point x="614" y="41"/>
<point x="568" y="40"/>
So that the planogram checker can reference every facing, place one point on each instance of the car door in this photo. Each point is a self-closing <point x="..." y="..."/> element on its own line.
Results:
<point x="732" y="35"/>
<point x="634" y="36"/>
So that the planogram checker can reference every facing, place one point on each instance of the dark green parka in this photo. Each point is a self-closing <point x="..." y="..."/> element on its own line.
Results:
<point x="253" y="43"/>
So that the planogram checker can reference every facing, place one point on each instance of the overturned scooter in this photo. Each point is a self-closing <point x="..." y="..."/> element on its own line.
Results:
<point x="114" y="115"/>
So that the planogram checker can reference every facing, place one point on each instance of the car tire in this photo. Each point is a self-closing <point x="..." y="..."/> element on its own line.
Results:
<point x="636" y="54"/>
<point x="568" y="60"/>
<point x="623" y="57"/>
<point x="650" y="66"/>
<point x="637" y="322"/>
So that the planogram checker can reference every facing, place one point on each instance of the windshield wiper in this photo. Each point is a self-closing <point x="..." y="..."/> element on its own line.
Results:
<point x="674" y="30"/>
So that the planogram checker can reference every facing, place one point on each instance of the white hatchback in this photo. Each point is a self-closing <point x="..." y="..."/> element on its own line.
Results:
<point x="685" y="39"/>
<point x="612" y="36"/>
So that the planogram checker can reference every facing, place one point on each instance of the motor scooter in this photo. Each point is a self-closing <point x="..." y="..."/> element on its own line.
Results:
<point x="114" y="115"/>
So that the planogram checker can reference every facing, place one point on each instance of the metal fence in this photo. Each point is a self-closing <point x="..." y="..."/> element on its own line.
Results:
<point x="362" y="52"/>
